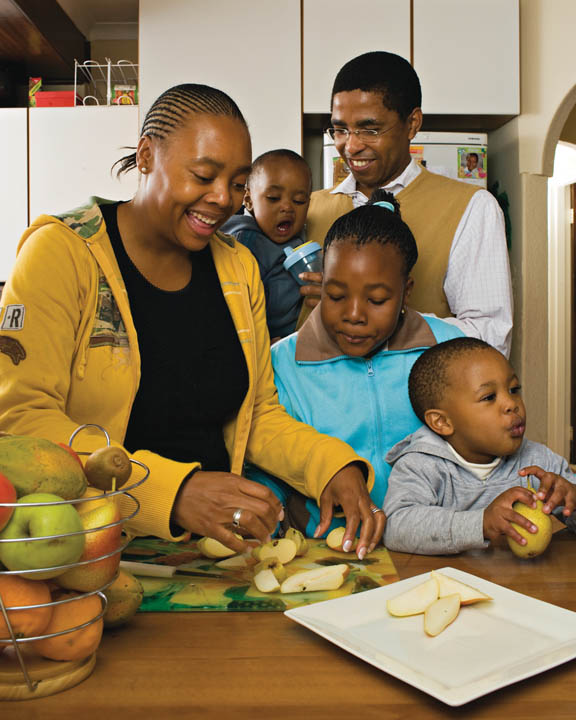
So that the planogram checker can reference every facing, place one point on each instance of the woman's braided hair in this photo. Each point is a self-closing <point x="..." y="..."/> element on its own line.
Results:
<point x="171" y="110"/>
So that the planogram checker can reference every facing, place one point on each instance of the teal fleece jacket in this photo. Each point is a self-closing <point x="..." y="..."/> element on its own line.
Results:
<point x="363" y="401"/>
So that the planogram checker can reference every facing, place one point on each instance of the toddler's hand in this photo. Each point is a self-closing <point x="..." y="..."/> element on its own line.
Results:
<point x="554" y="490"/>
<point x="499" y="515"/>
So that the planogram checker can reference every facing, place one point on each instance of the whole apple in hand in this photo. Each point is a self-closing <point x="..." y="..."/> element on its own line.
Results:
<point x="7" y="495"/>
<point x="29" y="521"/>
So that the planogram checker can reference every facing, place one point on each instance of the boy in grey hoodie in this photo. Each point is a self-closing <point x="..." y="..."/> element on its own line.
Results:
<point x="276" y="204"/>
<point x="454" y="480"/>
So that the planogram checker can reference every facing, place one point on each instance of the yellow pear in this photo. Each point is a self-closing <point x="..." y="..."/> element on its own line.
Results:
<point x="536" y="543"/>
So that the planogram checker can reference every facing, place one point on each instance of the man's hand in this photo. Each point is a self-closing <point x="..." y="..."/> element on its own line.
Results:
<point x="312" y="289"/>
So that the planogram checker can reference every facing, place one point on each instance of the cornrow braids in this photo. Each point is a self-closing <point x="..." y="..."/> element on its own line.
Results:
<point x="429" y="375"/>
<point x="373" y="223"/>
<point x="171" y="110"/>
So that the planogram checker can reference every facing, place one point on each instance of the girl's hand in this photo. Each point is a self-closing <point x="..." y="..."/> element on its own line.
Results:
<point x="554" y="490"/>
<point x="313" y="288"/>
<point x="207" y="502"/>
<point x="348" y="489"/>
<point x="499" y="514"/>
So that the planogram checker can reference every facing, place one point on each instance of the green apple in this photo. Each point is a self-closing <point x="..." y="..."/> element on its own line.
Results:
<point x="38" y="522"/>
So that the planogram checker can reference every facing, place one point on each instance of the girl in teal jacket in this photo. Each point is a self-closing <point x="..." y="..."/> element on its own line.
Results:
<point x="346" y="371"/>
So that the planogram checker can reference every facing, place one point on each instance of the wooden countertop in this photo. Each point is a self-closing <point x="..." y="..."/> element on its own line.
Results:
<point x="220" y="666"/>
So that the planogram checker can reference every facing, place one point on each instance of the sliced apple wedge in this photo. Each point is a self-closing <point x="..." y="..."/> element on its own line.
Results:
<point x="335" y="537"/>
<point x="282" y="549"/>
<point x="268" y="575"/>
<point x="330" y="577"/>
<point x="449" y="586"/>
<point x="236" y="561"/>
<point x="211" y="548"/>
<point x="440" y="614"/>
<point x="298" y="539"/>
<point x="415" y="600"/>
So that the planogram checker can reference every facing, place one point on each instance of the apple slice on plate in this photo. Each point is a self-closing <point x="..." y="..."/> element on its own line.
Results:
<point x="415" y="600"/>
<point x="449" y="586"/>
<point x="440" y="614"/>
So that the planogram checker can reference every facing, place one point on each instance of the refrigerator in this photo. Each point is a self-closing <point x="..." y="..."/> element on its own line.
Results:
<point x="459" y="155"/>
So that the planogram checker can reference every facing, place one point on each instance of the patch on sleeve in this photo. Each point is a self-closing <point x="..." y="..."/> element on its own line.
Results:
<point x="13" y="348"/>
<point x="13" y="317"/>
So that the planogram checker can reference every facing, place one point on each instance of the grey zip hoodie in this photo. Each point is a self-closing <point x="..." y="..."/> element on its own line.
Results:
<point x="435" y="506"/>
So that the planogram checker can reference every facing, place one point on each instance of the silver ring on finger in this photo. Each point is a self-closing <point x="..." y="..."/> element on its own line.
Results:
<point x="376" y="510"/>
<point x="236" y="517"/>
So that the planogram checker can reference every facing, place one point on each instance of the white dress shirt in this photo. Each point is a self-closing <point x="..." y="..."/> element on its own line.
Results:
<point x="477" y="283"/>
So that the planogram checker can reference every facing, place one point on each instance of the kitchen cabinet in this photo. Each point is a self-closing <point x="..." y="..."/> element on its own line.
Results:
<point x="466" y="53"/>
<point x="72" y="151"/>
<point x="250" y="50"/>
<point x="335" y="31"/>
<point x="13" y="184"/>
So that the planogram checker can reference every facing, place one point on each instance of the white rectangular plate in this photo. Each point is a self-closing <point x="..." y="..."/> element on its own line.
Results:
<point x="488" y="646"/>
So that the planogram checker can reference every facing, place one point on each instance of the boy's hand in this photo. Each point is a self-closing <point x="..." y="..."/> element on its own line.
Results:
<point x="554" y="490"/>
<point x="312" y="289"/>
<point x="499" y="515"/>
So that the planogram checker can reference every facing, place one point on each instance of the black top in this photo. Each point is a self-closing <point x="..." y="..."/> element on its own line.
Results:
<point x="194" y="375"/>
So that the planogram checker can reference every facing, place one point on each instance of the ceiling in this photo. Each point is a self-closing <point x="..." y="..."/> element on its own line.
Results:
<point x="45" y="37"/>
<point x="96" y="17"/>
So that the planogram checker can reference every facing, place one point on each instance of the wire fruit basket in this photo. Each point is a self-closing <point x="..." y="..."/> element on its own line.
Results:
<point x="24" y="673"/>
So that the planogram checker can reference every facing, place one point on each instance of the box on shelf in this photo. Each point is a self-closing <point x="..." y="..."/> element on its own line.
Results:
<point x="56" y="98"/>
<point x="34" y="85"/>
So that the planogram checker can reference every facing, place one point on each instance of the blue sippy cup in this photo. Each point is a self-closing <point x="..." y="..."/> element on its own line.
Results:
<point x="305" y="258"/>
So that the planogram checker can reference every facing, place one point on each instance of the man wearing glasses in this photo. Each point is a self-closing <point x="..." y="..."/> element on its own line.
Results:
<point x="462" y="273"/>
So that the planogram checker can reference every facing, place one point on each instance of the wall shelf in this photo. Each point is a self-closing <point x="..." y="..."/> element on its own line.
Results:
<point x="100" y="79"/>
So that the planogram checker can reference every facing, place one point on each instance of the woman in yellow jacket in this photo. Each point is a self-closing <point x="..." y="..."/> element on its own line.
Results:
<point x="142" y="318"/>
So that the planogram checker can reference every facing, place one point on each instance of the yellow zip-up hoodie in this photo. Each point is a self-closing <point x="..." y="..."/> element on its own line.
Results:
<point x="69" y="355"/>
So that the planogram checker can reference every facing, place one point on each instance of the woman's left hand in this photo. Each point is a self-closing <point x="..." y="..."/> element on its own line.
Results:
<point x="348" y="489"/>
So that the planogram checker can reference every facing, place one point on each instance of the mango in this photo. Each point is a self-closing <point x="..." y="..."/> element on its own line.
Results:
<point x="36" y="465"/>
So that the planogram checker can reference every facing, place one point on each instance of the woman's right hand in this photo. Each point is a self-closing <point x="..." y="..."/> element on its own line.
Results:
<point x="207" y="501"/>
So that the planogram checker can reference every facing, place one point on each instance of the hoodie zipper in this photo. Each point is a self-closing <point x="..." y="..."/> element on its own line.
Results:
<point x="374" y="396"/>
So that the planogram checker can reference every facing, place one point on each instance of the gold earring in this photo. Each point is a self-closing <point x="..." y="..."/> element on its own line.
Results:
<point x="403" y="311"/>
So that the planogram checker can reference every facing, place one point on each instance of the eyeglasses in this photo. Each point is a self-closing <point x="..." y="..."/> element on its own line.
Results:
<point x="366" y="135"/>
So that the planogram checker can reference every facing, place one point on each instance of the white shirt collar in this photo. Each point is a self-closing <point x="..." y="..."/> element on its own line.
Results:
<point x="481" y="470"/>
<point x="348" y="185"/>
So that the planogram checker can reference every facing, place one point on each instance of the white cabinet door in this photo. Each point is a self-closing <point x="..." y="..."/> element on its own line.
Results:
<point x="72" y="151"/>
<point x="466" y="53"/>
<point x="13" y="184"/>
<point x="336" y="31"/>
<point x="248" y="49"/>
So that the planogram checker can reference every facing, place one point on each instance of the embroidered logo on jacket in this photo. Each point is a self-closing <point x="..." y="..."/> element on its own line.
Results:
<point x="13" y="317"/>
<point x="108" y="328"/>
<point x="13" y="348"/>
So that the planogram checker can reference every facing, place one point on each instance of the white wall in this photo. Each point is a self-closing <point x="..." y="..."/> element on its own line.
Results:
<point x="249" y="49"/>
<point x="13" y="184"/>
<point x="522" y="157"/>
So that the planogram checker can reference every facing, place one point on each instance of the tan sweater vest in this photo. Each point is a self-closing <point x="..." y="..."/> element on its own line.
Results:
<point x="432" y="206"/>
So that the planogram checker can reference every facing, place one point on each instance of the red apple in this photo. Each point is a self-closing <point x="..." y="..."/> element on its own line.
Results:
<point x="93" y="575"/>
<point x="73" y="453"/>
<point x="7" y="495"/>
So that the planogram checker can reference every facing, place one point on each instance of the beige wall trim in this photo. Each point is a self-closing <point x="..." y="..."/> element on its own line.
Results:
<point x="559" y="319"/>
